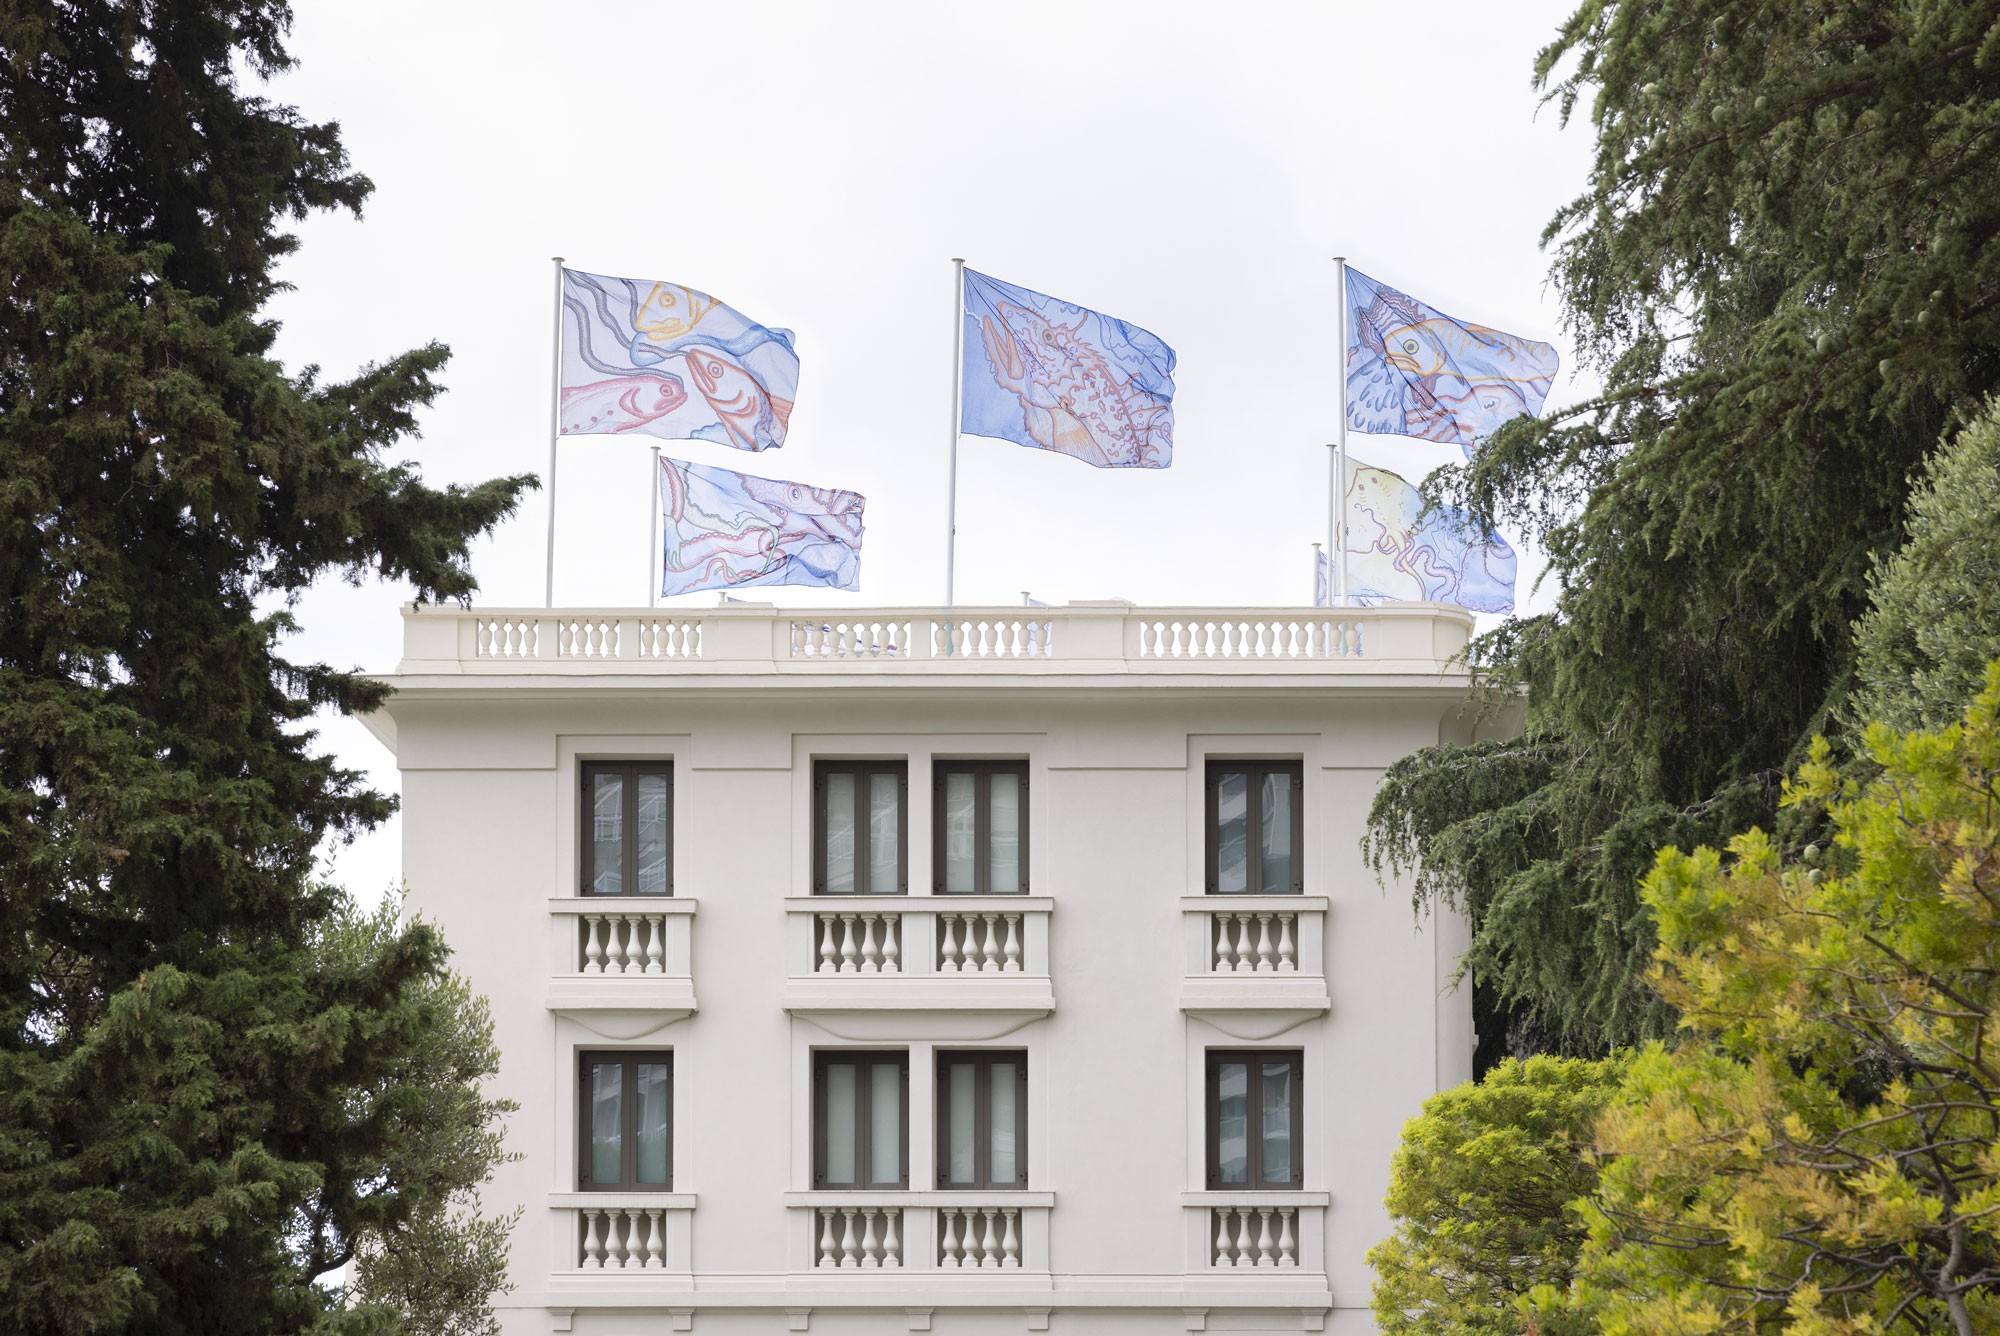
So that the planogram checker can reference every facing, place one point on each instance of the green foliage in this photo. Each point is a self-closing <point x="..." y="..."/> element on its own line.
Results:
<point x="1824" y="1156"/>
<point x="180" y="1146"/>
<point x="1935" y="615"/>
<point x="1480" y="1195"/>
<point x="1787" y="266"/>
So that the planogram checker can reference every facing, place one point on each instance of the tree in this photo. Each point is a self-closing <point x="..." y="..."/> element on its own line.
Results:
<point x="1934" y="615"/>
<point x="1823" y="1154"/>
<point x="1787" y="265"/>
<point x="1480" y="1195"/>
<point x="183" y="1144"/>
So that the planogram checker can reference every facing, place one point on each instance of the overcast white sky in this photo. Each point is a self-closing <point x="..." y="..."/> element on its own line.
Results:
<point x="1189" y="167"/>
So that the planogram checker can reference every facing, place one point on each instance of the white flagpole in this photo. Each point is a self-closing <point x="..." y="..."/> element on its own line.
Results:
<point x="957" y="396"/>
<point x="1337" y="502"/>
<point x="655" y="557"/>
<point x="555" y="434"/>
<point x="1318" y="553"/>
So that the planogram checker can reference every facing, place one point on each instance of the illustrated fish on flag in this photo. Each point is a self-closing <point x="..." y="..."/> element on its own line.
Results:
<point x="1396" y="553"/>
<point x="727" y="530"/>
<point x="1414" y="371"/>
<point x="1052" y="375"/>
<point x="664" y="360"/>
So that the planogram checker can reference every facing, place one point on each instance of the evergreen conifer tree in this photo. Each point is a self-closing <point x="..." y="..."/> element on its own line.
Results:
<point x="181" y="1150"/>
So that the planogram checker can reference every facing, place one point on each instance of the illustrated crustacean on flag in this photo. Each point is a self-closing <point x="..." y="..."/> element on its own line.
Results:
<point x="1052" y="375"/>
<point x="1397" y="553"/>
<point x="1414" y="371"/>
<point x="728" y="530"/>
<point x="665" y="360"/>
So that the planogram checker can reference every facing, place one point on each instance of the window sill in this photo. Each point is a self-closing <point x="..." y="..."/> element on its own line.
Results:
<point x="624" y="1199"/>
<point x="1257" y="1197"/>
<point x="921" y="1197"/>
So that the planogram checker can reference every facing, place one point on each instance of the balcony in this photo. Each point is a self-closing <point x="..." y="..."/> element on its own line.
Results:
<point x="919" y="967"/>
<point x="922" y="1235"/>
<point x="1097" y="639"/>
<point x="1256" y="964"/>
<point x="620" y="966"/>
<point x="1260" y="1236"/>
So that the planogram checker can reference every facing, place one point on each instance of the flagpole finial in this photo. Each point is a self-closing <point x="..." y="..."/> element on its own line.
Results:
<point x="1340" y="259"/>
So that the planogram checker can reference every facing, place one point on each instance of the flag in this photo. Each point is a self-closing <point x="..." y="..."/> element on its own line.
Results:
<point x="1322" y="578"/>
<point x="1393" y="555"/>
<point x="1055" y="376"/>
<point x="1414" y="371"/>
<point x="728" y="530"/>
<point x="665" y="360"/>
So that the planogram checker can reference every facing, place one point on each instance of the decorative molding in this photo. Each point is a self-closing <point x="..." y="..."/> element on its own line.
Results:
<point x="915" y="1023"/>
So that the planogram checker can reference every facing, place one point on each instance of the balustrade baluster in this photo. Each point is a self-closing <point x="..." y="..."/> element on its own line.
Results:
<point x="1012" y="964"/>
<point x="1245" y="1247"/>
<point x="948" y="1245"/>
<point x="870" y="961"/>
<point x="1267" y="1251"/>
<point x="1264" y="944"/>
<point x="892" y="1244"/>
<point x="989" y="950"/>
<point x="948" y="943"/>
<point x="827" y="1244"/>
<point x="593" y="1250"/>
<point x="829" y="957"/>
<point x="1223" y="951"/>
<point x="656" y="945"/>
<point x="1223" y="1246"/>
<point x="1288" y="951"/>
<point x="847" y="947"/>
<point x="1288" y="1254"/>
<point x="593" y="951"/>
<point x="848" y="1258"/>
<point x="1010" y="1241"/>
<point x="989" y="1241"/>
<point x="869" y="1259"/>
<point x="656" y="1247"/>
<point x="892" y="950"/>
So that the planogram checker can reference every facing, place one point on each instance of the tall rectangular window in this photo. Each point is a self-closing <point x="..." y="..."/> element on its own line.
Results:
<point x="980" y="837"/>
<point x="982" y="1119"/>
<point x="860" y="828"/>
<point x="625" y="1121"/>
<point x="1255" y="1136"/>
<point x="861" y="1118"/>
<point x="1256" y="842"/>
<point x="628" y="828"/>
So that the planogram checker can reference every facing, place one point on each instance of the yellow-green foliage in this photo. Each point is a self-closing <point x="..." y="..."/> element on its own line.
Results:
<point x="1479" y="1195"/>
<point x="1822" y="1156"/>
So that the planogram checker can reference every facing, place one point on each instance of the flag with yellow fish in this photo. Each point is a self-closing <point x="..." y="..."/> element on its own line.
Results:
<point x="661" y="359"/>
<point x="1414" y="371"/>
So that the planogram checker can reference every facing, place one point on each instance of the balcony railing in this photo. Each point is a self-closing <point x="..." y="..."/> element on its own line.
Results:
<point x="642" y="1235"/>
<point x="917" y="1232"/>
<point x="1272" y="1232"/>
<point x="1081" y="637"/>
<point x="622" y="954"/>
<point x="1256" y="964"/>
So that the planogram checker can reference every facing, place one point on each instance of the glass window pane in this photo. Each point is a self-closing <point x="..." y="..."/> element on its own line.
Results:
<point x="607" y="1121"/>
<point x="839" y="834"/>
<point x="885" y="1117"/>
<point x="649" y="1090"/>
<point x="1003" y="859"/>
<point x="962" y="1103"/>
<point x="1000" y="1122"/>
<point x="1232" y="1122"/>
<point x="1232" y="852"/>
<point x="607" y="834"/>
<point x="1277" y="1131"/>
<point x="652" y="835"/>
<point x="958" y="833"/>
<point x="882" y="827"/>
<point x="1276" y="836"/>
<point x="840" y="1139"/>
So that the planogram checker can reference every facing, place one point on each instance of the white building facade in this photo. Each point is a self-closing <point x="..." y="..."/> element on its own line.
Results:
<point x="990" y="970"/>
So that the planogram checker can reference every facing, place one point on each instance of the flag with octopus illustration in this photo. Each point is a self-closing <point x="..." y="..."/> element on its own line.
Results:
<point x="727" y="530"/>
<point x="1414" y="371"/>
<point x="1396" y="553"/>
<point x="1055" y="376"/>
<point x="664" y="360"/>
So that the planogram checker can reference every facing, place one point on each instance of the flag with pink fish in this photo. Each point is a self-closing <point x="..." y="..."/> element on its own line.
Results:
<point x="1052" y="375"/>
<point x="728" y="530"/>
<point x="665" y="360"/>
<point x="1414" y="371"/>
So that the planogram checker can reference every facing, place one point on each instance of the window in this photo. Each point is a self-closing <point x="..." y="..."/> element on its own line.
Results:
<point x="625" y="1121"/>
<point x="1253" y="1099"/>
<point x="1255" y="845"/>
<point x="980" y="846"/>
<point x="862" y="828"/>
<point x="628" y="848"/>
<point x="982" y="1120"/>
<point x="861" y="1114"/>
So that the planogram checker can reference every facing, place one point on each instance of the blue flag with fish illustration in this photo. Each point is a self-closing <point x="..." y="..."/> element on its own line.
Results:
<point x="1414" y="371"/>
<point x="664" y="360"/>
<point x="727" y="530"/>
<point x="1397" y="553"/>
<point x="1052" y="375"/>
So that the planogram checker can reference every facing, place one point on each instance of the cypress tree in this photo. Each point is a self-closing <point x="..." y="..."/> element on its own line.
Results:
<point x="180" y="1146"/>
<point x="1785" y="264"/>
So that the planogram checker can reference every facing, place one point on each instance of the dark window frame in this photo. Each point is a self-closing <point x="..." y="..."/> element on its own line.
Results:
<point x="864" y="1095"/>
<point x="1255" y="770"/>
<point x="863" y="837"/>
<point x="628" y="1133"/>
<point x="1254" y="1059"/>
<point x="629" y="771"/>
<point x="982" y="833"/>
<point x="983" y="1060"/>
